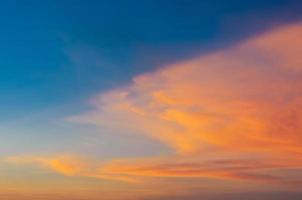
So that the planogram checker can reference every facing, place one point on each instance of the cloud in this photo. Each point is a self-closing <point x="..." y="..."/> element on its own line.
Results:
<point x="218" y="169"/>
<point x="243" y="99"/>
<point x="138" y="171"/>
<point x="230" y="115"/>
<point x="68" y="165"/>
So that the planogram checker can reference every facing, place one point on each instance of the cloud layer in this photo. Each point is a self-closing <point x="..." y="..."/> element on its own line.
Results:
<point x="242" y="102"/>
<point x="244" y="98"/>
<point x="231" y="115"/>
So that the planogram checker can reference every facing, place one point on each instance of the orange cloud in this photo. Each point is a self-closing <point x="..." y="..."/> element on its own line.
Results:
<point x="242" y="99"/>
<point x="65" y="164"/>
<point x="237" y="103"/>
<point x="135" y="170"/>
<point x="234" y="114"/>
<point x="68" y="165"/>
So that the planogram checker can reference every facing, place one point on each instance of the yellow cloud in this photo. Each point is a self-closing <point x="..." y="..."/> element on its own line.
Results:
<point x="68" y="165"/>
<point x="64" y="164"/>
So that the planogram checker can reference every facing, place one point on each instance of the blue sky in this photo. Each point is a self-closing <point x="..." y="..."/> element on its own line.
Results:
<point x="61" y="52"/>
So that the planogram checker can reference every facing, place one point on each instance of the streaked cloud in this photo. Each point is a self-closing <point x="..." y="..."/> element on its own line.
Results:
<point x="68" y="165"/>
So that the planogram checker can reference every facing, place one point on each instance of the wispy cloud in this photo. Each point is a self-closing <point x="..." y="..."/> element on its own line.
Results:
<point x="68" y="165"/>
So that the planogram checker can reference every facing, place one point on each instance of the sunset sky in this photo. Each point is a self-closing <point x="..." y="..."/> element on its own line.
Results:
<point x="151" y="100"/>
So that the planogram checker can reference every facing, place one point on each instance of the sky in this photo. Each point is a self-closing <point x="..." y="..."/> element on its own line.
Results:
<point x="150" y="100"/>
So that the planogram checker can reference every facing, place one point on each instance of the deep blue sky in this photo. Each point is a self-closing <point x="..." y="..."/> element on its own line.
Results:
<point x="55" y="52"/>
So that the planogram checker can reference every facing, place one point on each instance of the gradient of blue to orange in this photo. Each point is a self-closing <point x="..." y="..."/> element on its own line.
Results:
<point x="151" y="100"/>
